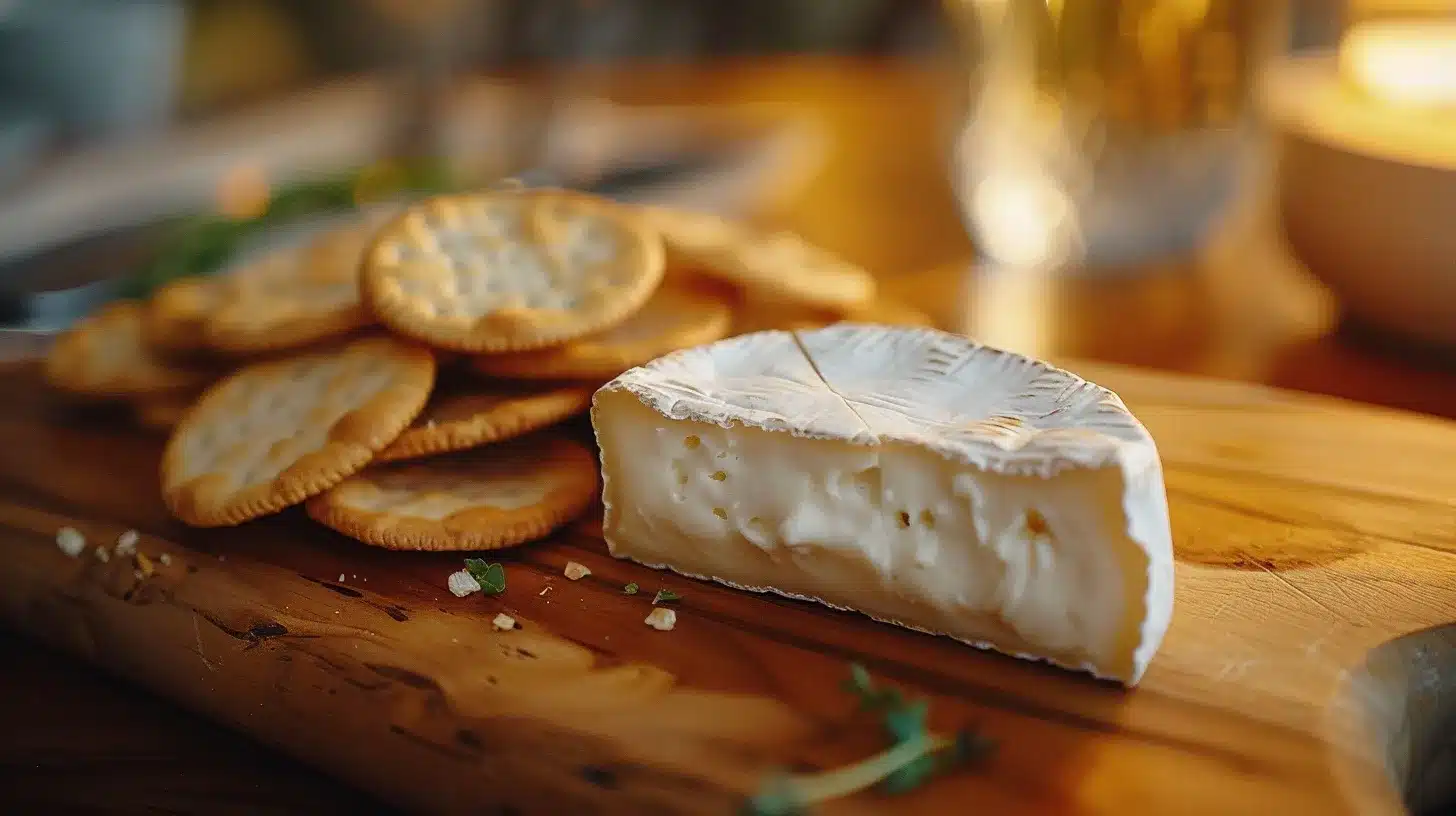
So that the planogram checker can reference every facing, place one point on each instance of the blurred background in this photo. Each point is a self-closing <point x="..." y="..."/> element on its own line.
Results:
<point x="1168" y="183"/>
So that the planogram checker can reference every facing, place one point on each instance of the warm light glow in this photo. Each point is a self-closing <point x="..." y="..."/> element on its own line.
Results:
<point x="1023" y="220"/>
<point x="1411" y="63"/>
<point x="1012" y="309"/>
<point x="243" y="192"/>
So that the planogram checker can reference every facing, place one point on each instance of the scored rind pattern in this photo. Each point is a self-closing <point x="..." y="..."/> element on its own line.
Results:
<point x="989" y="409"/>
<point x="867" y="385"/>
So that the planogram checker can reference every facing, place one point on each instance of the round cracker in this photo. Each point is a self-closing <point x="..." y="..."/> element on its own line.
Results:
<point x="174" y="316"/>
<point x="510" y="270"/>
<point x="163" y="412"/>
<point x="461" y="417"/>
<point x="677" y="316"/>
<point x="291" y="297"/>
<point x="779" y="264"/>
<point x="275" y="433"/>
<point x="483" y="499"/>
<point x="104" y="355"/>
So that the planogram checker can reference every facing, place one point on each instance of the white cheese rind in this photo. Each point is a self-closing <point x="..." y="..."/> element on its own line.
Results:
<point x="911" y="475"/>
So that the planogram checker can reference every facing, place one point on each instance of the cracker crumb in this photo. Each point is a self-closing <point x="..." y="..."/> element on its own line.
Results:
<point x="462" y="583"/>
<point x="71" y="542"/>
<point x="544" y="591"/>
<point x="662" y="619"/>
<point x="102" y="555"/>
<point x="137" y="574"/>
<point x="503" y="622"/>
<point x="576" y="571"/>
<point x="165" y="559"/>
<point x="126" y="543"/>
<point x="341" y="577"/>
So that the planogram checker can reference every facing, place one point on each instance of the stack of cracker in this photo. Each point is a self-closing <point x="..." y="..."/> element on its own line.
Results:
<point x="401" y="378"/>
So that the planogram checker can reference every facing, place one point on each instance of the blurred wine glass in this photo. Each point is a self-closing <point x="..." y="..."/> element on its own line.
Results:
<point x="1103" y="135"/>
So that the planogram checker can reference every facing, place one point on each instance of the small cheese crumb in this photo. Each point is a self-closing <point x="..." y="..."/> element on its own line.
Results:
<point x="341" y="577"/>
<point x="576" y="571"/>
<point x="462" y="583"/>
<point x="503" y="622"/>
<point x="70" y="540"/>
<point x="102" y="555"/>
<point x="165" y="559"/>
<point x="662" y="619"/>
<point x="126" y="543"/>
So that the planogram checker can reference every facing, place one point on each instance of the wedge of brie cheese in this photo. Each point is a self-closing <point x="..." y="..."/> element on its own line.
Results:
<point x="909" y="474"/>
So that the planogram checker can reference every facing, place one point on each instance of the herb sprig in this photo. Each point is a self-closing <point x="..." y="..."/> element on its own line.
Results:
<point x="203" y="244"/>
<point x="914" y="757"/>
<point x="491" y="577"/>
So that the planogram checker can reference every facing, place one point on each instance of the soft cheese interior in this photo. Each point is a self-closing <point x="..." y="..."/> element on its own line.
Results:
<point x="1037" y="567"/>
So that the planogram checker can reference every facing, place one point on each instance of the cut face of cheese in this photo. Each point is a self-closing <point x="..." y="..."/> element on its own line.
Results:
<point x="909" y="474"/>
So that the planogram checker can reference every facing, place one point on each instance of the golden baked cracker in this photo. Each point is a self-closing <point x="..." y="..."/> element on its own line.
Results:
<point x="163" y="412"/>
<point x="677" y="316"/>
<point x="104" y="355"/>
<point x="482" y="499"/>
<point x="470" y="415"/>
<point x="174" y="316"/>
<point x="778" y="264"/>
<point x="277" y="432"/>
<point x="510" y="270"/>
<point x="292" y="297"/>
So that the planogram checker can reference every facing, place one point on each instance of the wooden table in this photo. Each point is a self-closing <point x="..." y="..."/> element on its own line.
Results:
<point x="77" y="741"/>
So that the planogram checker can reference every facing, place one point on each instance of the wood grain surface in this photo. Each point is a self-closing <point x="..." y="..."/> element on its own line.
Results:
<point x="1309" y="533"/>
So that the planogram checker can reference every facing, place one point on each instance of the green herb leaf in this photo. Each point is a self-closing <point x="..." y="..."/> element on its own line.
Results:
<point x="201" y="245"/>
<point x="862" y="686"/>
<point x="859" y="681"/>
<point x="906" y="722"/>
<point x="664" y="596"/>
<point x="775" y="798"/>
<point x="630" y="589"/>
<point x="915" y="757"/>
<point x="491" y="577"/>
<point x="910" y="776"/>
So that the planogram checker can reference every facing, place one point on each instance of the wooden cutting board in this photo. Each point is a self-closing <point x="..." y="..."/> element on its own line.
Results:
<point x="1304" y="671"/>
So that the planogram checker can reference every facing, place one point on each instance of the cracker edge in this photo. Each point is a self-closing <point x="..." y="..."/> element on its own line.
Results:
<point x="283" y="336"/>
<point x="297" y="333"/>
<point x="459" y="435"/>
<point x="406" y="397"/>
<point x="473" y="339"/>
<point x="588" y="359"/>
<point x="389" y="531"/>
<point x="167" y="334"/>
<point x="725" y="264"/>
<point x="180" y="377"/>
